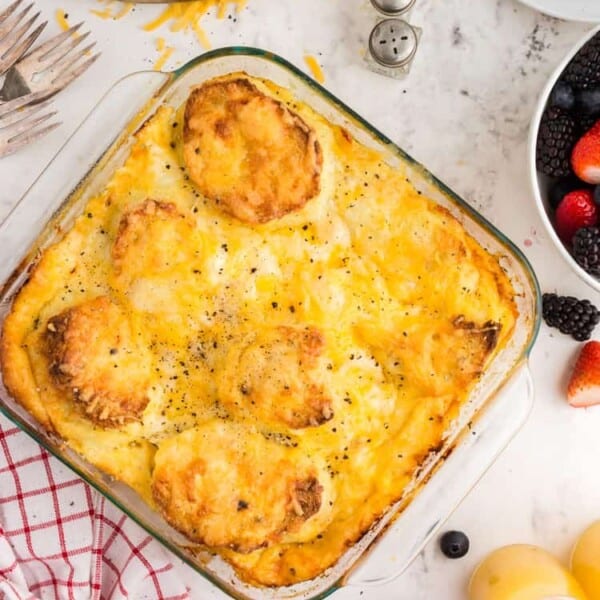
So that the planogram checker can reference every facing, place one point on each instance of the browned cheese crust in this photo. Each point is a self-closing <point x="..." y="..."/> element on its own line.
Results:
<point x="276" y="377"/>
<point x="273" y="157"/>
<point x="90" y="348"/>
<point x="250" y="494"/>
<point x="152" y="238"/>
<point x="438" y="373"/>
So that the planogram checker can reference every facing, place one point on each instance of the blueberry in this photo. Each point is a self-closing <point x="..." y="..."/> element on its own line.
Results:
<point x="454" y="544"/>
<point x="597" y="196"/>
<point x="561" y="188"/>
<point x="562" y="96"/>
<point x="587" y="102"/>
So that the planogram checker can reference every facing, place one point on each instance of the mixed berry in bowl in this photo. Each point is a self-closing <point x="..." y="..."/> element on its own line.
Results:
<point x="568" y="154"/>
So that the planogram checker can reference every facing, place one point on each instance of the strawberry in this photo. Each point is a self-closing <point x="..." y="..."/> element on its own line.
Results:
<point x="584" y="386"/>
<point x="576" y="210"/>
<point x="585" y="158"/>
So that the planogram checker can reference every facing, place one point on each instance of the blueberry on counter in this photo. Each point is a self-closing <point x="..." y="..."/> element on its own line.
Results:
<point x="454" y="544"/>
<point x="562" y="96"/>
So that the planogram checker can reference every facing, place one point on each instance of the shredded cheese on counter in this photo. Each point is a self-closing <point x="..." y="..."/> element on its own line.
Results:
<point x="165" y="51"/>
<point x="180" y="16"/>
<point x="185" y="16"/>
<point x="61" y="19"/>
<point x="315" y="68"/>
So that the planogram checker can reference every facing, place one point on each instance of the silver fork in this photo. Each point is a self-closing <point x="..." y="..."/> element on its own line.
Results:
<point x="13" y="39"/>
<point x="50" y="67"/>
<point x="24" y="120"/>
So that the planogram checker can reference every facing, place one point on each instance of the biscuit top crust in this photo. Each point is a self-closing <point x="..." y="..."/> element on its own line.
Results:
<point x="94" y="354"/>
<point x="248" y="153"/>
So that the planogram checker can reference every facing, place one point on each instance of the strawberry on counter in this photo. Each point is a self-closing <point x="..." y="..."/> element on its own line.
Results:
<point x="584" y="386"/>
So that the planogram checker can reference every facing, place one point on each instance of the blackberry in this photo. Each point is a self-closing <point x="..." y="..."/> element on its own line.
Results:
<point x="556" y="138"/>
<point x="586" y="123"/>
<point x="586" y="249"/>
<point x="577" y="318"/>
<point x="584" y="70"/>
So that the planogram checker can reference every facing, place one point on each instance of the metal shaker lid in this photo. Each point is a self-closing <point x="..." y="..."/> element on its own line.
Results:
<point x="393" y="7"/>
<point x="393" y="43"/>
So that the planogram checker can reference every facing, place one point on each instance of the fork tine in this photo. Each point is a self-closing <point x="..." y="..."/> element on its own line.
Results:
<point x="51" y="44"/>
<point x="21" y="140"/>
<point x="21" y="114"/>
<point x="12" y="132"/>
<point x="21" y="47"/>
<point x="67" y="76"/>
<point x="16" y="33"/>
<point x="63" y="50"/>
<point x="8" y="107"/>
<point x="9" y="10"/>
<point x="9" y="27"/>
<point x="11" y="22"/>
<point x="68" y="60"/>
<point x="24" y="125"/>
<point x="13" y="42"/>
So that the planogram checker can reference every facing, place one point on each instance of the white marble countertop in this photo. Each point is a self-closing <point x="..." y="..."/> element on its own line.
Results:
<point x="464" y="112"/>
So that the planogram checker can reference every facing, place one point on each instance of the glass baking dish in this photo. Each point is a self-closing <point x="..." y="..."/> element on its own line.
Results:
<point x="493" y="413"/>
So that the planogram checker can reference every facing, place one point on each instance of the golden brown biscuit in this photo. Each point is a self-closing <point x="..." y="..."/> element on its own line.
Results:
<point x="277" y="377"/>
<point x="95" y="355"/>
<point x="229" y="487"/>
<point x="152" y="238"/>
<point x="249" y="153"/>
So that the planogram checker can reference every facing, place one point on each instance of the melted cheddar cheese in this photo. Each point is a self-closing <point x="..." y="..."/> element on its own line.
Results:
<point x="270" y="387"/>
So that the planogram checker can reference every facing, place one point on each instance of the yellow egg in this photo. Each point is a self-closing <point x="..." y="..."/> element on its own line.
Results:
<point x="523" y="572"/>
<point x="585" y="561"/>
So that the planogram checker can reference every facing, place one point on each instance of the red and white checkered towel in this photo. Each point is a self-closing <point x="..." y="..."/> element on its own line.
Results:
<point x="60" y="540"/>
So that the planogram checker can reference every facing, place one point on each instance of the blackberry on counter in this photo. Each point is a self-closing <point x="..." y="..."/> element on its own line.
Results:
<point x="577" y="318"/>
<point x="586" y="249"/>
<point x="584" y="70"/>
<point x="556" y="138"/>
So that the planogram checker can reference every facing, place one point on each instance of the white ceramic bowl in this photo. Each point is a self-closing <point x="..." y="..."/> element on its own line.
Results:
<point x="573" y="10"/>
<point x="539" y="182"/>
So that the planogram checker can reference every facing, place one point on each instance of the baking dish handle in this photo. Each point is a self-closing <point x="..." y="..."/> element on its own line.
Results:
<point x="105" y="122"/>
<point x="488" y="436"/>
